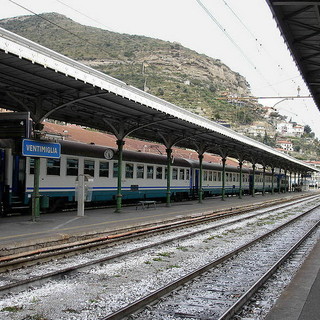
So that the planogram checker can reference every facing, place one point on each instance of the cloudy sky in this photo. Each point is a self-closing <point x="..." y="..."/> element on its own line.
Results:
<point x="242" y="34"/>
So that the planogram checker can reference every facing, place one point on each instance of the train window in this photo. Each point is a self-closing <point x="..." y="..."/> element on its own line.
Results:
<point x="72" y="167"/>
<point x="104" y="169"/>
<point x="115" y="170"/>
<point x="150" y="170"/>
<point x="53" y="167"/>
<point x="129" y="170"/>
<point x="227" y="176"/>
<point x="219" y="176"/>
<point x="140" y="171"/>
<point x="159" y="173"/>
<point x="31" y="166"/>
<point x="181" y="174"/>
<point x="234" y="177"/>
<point x="88" y="167"/>
<point x="187" y="174"/>
<point x="214" y="176"/>
<point x="174" y="174"/>
<point x="210" y="176"/>
<point x="166" y="173"/>
<point x="205" y="175"/>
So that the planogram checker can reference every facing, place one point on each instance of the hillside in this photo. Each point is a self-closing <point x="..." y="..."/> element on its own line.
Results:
<point x="168" y="70"/>
<point x="165" y="69"/>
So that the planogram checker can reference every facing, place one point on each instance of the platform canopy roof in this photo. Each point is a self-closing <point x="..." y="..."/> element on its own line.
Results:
<point x="299" y="22"/>
<point x="50" y="85"/>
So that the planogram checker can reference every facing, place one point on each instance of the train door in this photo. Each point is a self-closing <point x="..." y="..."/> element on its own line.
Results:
<point x="18" y="177"/>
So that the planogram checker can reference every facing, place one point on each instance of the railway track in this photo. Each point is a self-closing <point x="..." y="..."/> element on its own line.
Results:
<point x="219" y="289"/>
<point x="45" y="254"/>
<point x="42" y="278"/>
<point x="17" y="285"/>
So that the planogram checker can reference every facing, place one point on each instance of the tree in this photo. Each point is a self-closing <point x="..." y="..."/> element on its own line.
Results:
<point x="307" y="129"/>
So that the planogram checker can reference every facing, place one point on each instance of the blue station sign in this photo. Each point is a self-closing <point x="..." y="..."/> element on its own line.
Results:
<point x="31" y="148"/>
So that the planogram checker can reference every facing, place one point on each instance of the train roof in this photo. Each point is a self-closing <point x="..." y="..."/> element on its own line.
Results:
<point x="95" y="151"/>
<point x="98" y="151"/>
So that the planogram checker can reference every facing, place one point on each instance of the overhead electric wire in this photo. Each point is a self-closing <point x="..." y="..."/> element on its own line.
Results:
<point x="207" y="11"/>
<point x="85" y="15"/>
<point x="95" y="20"/>
<point x="241" y="22"/>
<point x="258" y="42"/>
<point x="86" y="41"/>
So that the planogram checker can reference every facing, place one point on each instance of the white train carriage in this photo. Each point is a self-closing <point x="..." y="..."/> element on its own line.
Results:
<point x="212" y="179"/>
<point x="144" y="176"/>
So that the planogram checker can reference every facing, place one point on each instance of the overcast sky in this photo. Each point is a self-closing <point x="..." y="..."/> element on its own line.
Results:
<point x="241" y="33"/>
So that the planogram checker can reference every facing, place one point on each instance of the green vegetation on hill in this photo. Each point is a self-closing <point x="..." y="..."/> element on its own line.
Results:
<point x="165" y="69"/>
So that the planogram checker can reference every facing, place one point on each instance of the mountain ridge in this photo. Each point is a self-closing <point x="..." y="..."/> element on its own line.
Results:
<point x="165" y="69"/>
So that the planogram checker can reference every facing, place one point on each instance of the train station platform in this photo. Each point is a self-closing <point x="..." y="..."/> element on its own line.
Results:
<point x="298" y="302"/>
<point x="20" y="231"/>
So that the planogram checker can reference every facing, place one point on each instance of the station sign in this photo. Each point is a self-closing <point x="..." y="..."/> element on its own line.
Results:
<point x="32" y="148"/>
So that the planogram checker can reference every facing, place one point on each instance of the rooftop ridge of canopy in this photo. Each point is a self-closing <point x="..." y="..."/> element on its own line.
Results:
<point x="37" y="54"/>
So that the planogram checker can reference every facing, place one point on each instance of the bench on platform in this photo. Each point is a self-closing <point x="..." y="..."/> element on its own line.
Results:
<point x="145" y="204"/>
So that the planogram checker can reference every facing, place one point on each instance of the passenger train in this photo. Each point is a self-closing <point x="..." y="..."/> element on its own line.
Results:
<point x="143" y="176"/>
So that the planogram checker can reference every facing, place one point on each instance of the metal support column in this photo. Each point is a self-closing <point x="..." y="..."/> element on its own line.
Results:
<point x="36" y="193"/>
<point x="200" y="192"/>
<point x="279" y="181"/>
<point x="36" y="177"/>
<point x="272" y="180"/>
<point x="240" y="179"/>
<point x="223" y="191"/>
<point x="253" y="178"/>
<point x="168" y="193"/>
<point x="264" y="181"/>
<point x="290" y="181"/>
<point x="285" y="181"/>
<point x="120" y="144"/>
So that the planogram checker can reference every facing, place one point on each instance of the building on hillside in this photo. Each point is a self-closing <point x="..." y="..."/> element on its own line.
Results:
<point x="289" y="129"/>
<point x="268" y="111"/>
<point x="260" y="128"/>
<point x="298" y="130"/>
<point x="286" y="145"/>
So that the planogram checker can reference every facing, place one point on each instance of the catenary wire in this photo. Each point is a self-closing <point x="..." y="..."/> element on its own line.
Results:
<point x="207" y="11"/>
<point x="86" y="41"/>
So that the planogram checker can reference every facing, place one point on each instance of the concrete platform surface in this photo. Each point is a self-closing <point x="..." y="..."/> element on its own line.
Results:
<point x="62" y="225"/>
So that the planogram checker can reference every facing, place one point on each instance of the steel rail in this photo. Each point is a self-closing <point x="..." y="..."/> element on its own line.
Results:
<point x="57" y="274"/>
<point x="156" y="295"/>
<point x="262" y="280"/>
<point x="24" y="259"/>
